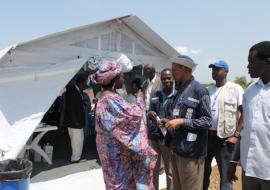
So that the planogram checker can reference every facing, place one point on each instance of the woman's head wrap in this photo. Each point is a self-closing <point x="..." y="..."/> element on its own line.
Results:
<point x="106" y="72"/>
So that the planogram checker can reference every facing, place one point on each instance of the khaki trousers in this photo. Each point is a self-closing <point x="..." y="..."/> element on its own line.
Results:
<point x="76" y="140"/>
<point x="187" y="173"/>
<point x="165" y="154"/>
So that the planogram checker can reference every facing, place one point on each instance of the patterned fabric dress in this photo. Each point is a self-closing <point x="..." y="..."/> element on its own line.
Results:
<point x="126" y="158"/>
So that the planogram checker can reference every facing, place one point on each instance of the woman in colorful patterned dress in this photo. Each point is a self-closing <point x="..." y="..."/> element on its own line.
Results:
<point x="126" y="158"/>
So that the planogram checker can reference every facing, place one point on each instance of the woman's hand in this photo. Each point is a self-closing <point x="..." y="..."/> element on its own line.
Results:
<point x="152" y="115"/>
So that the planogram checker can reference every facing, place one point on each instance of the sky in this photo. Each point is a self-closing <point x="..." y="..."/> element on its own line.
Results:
<point x="206" y="30"/>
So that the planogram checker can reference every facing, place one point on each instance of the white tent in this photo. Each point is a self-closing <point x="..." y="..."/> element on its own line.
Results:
<point x="33" y="73"/>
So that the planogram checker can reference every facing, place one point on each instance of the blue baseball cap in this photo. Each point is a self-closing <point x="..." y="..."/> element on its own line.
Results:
<point x="220" y="64"/>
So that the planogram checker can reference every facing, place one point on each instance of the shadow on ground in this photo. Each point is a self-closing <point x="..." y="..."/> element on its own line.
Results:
<point x="61" y="157"/>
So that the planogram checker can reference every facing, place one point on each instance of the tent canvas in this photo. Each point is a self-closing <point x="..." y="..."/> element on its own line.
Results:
<point x="33" y="73"/>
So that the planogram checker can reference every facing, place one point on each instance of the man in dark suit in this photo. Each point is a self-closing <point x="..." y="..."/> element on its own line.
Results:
<point x="74" y="115"/>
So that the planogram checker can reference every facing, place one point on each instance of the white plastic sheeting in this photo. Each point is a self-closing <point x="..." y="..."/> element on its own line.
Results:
<point x="26" y="91"/>
<point x="33" y="73"/>
<point x="3" y="52"/>
<point x="11" y="137"/>
<point x="92" y="179"/>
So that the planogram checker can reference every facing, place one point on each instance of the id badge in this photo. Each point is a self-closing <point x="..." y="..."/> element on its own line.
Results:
<point x="176" y="112"/>
<point x="191" y="137"/>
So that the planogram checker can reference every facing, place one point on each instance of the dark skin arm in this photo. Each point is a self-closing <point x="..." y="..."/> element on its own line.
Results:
<point x="173" y="124"/>
<point x="233" y="140"/>
<point x="233" y="164"/>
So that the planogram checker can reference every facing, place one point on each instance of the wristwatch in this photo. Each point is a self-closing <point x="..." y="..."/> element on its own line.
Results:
<point x="237" y="134"/>
<point x="234" y="162"/>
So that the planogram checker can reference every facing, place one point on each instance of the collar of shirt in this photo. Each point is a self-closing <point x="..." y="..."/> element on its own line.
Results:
<point x="165" y="97"/>
<point x="153" y="80"/>
<point x="169" y="96"/>
<point x="181" y="90"/>
<point x="226" y="82"/>
<point x="260" y="82"/>
<point x="183" y="86"/>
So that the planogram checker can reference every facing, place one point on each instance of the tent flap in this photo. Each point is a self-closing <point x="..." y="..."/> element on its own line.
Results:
<point x="33" y="73"/>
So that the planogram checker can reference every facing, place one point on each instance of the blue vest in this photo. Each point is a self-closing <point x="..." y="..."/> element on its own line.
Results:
<point x="186" y="141"/>
<point x="163" y="111"/>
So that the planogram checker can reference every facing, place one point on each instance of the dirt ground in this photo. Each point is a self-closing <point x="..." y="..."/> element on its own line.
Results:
<point x="214" y="180"/>
<point x="214" y="183"/>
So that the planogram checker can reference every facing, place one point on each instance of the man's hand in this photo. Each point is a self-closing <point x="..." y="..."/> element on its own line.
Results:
<point x="231" y="172"/>
<point x="173" y="124"/>
<point x="232" y="140"/>
<point x="152" y="115"/>
<point x="164" y="121"/>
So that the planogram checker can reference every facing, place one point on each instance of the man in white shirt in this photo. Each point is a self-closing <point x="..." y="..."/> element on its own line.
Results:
<point x="151" y="85"/>
<point x="226" y="107"/>
<point x="255" y="136"/>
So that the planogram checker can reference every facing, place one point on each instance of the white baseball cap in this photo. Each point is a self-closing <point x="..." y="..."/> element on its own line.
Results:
<point x="185" y="61"/>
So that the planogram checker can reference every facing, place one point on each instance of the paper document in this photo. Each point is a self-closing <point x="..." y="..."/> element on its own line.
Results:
<point x="159" y="124"/>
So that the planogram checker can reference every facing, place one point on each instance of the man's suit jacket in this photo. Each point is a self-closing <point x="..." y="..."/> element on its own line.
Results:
<point x="74" y="113"/>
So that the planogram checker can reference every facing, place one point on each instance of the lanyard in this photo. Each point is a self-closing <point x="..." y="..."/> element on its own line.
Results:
<point x="215" y="98"/>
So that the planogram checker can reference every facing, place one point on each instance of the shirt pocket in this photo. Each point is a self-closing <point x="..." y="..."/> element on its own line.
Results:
<point x="190" y="108"/>
<point x="230" y="114"/>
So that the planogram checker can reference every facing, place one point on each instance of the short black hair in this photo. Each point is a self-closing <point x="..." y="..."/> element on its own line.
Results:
<point x="262" y="49"/>
<point x="166" y="69"/>
<point x="151" y="67"/>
